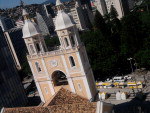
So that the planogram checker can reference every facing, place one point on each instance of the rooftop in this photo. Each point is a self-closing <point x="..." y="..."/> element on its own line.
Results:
<point x="63" y="101"/>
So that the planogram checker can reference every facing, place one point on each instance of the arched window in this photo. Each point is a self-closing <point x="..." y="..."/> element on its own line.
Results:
<point x="72" y="62"/>
<point x="66" y="41"/>
<point x="59" y="78"/>
<point x="32" y="49"/>
<point x="38" y="47"/>
<point x="72" y="41"/>
<point x="38" y="67"/>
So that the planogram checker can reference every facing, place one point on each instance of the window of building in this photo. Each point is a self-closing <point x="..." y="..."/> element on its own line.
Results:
<point x="66" y="41"/>
<point x="46" y="90"/>
<point x="38" y="67"/>
<point x="32" y="49"/>
<point x="79" y="87"/>
<point x="72" y="62"/>
<point x="72" y="41"/>
<point x="38" y="47"/>
<point x="59" y="78"/>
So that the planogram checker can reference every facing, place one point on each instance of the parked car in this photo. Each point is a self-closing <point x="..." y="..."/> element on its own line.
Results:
<point x="118" y="79"/>
<point x="127" y="77"/>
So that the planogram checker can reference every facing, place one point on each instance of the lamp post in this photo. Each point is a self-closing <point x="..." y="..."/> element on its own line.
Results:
<point x="135" y="64"/>
<point x="130" y="59"/>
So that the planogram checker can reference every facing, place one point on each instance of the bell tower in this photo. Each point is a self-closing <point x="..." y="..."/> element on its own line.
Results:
<point x="67" y="66"/>
<point x="66" y="29"/>
<point x="34" y="40"/>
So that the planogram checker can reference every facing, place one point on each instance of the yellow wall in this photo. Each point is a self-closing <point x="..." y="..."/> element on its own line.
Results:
<point x="78" y="91"/>
<point x="47" y="95"/>
<point x="42" y="76"/>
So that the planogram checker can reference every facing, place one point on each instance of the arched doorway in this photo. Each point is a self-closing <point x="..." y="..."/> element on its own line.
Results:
<point x="59" y="78"/>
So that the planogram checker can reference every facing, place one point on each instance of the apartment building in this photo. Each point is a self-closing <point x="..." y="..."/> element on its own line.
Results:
<point x="12" y="93"/>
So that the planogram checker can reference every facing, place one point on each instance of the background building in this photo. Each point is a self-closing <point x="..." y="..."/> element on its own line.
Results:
<point x="11" y="90"/>
<point x="122" y="6"/>
<point x="76" y="12"/>
<point x="117" y="5"/>
<point x="80" y="13"/>
<point x="16" y="45"/>
<point x="45" y="21"/>
<point x="101" y="6"/>
<point x="6" y="23"/>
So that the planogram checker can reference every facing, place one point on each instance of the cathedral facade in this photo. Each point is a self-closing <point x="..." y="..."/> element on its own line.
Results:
<point x="66" y="67"/>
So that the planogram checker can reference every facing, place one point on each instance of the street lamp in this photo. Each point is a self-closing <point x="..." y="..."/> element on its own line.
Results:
<point x="130" y="63"/>
<point x="130" y="59"/>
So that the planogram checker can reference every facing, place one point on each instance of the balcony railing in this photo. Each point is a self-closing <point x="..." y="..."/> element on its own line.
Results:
<point x="54" y="52"/>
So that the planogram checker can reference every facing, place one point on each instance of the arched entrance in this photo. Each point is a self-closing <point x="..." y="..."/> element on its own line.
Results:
<point x="59" y="78"/>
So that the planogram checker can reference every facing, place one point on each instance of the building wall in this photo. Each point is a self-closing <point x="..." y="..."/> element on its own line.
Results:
<point x="108" y="108"/>
<point x="16" y="45"/>
<point x="75" y="73"/>
<point x="101" y="6"/>
<point x="117" y="4"/>
<point x="6" y="23"/>
<point x="76" y="76"/>
<point x="78" y="17"/>
<point x="122" y="6"/>
<point x="12" y="93"/>
<point x="45" y="21"/>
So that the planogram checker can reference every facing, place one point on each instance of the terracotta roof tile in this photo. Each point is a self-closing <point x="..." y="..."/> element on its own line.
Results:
<point x="66" y="108"/>
<point x="67" y="97"/>
<point x="64" y="101"/>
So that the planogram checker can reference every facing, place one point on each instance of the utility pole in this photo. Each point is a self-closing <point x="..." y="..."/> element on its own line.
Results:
<point x="130" y="59"/>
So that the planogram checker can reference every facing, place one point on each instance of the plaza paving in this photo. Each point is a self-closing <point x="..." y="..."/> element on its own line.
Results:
<point x="143" y="76"/>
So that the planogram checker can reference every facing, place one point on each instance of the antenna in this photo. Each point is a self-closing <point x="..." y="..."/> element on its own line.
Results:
<point x="22" y="4"/>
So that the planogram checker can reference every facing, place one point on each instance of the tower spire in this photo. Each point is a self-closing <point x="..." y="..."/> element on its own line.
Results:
<point x="58" y="2"/>
<point x="59" y="5"/>
<point x="25" y="14"/>
<point x="22" y="3"/>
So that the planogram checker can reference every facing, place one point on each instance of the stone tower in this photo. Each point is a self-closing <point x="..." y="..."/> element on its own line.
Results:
<point x="66" y="67"/>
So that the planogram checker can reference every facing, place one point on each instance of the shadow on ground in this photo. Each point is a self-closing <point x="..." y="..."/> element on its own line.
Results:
<point x="136" y="105"/>
<point x="34" y="101"/>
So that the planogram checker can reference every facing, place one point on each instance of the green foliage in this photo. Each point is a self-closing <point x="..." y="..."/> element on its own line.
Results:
<point x="143" y="58"/>
<point x="25" y="71"/>
<point x="113" y="12"/>
<point x="99" y="22"/>
<point x="100" y="53"/>
<point x="132" y="34"/>
<point x="51" y="42"/>
<point x="109" y="47"/>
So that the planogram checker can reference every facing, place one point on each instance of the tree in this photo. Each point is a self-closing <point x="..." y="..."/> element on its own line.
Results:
<point x="143" y="55"/>
<point x="99" y="23"/>
<point x="101" y="54"/>
<point x="51" y="42"/>
<point x="132" y="34"/>
<point x="113" y="12"/>
<point x="114" y="25"/>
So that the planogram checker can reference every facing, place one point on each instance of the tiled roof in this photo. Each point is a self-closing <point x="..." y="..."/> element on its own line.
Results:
<point x="67" y="97"/>
<point x="65" y="108"/>
<point x="64" y="101"/>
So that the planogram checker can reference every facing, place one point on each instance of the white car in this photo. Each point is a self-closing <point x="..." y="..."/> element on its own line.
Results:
<point x="127" y="77"/>
<point x="118" y="79"/>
